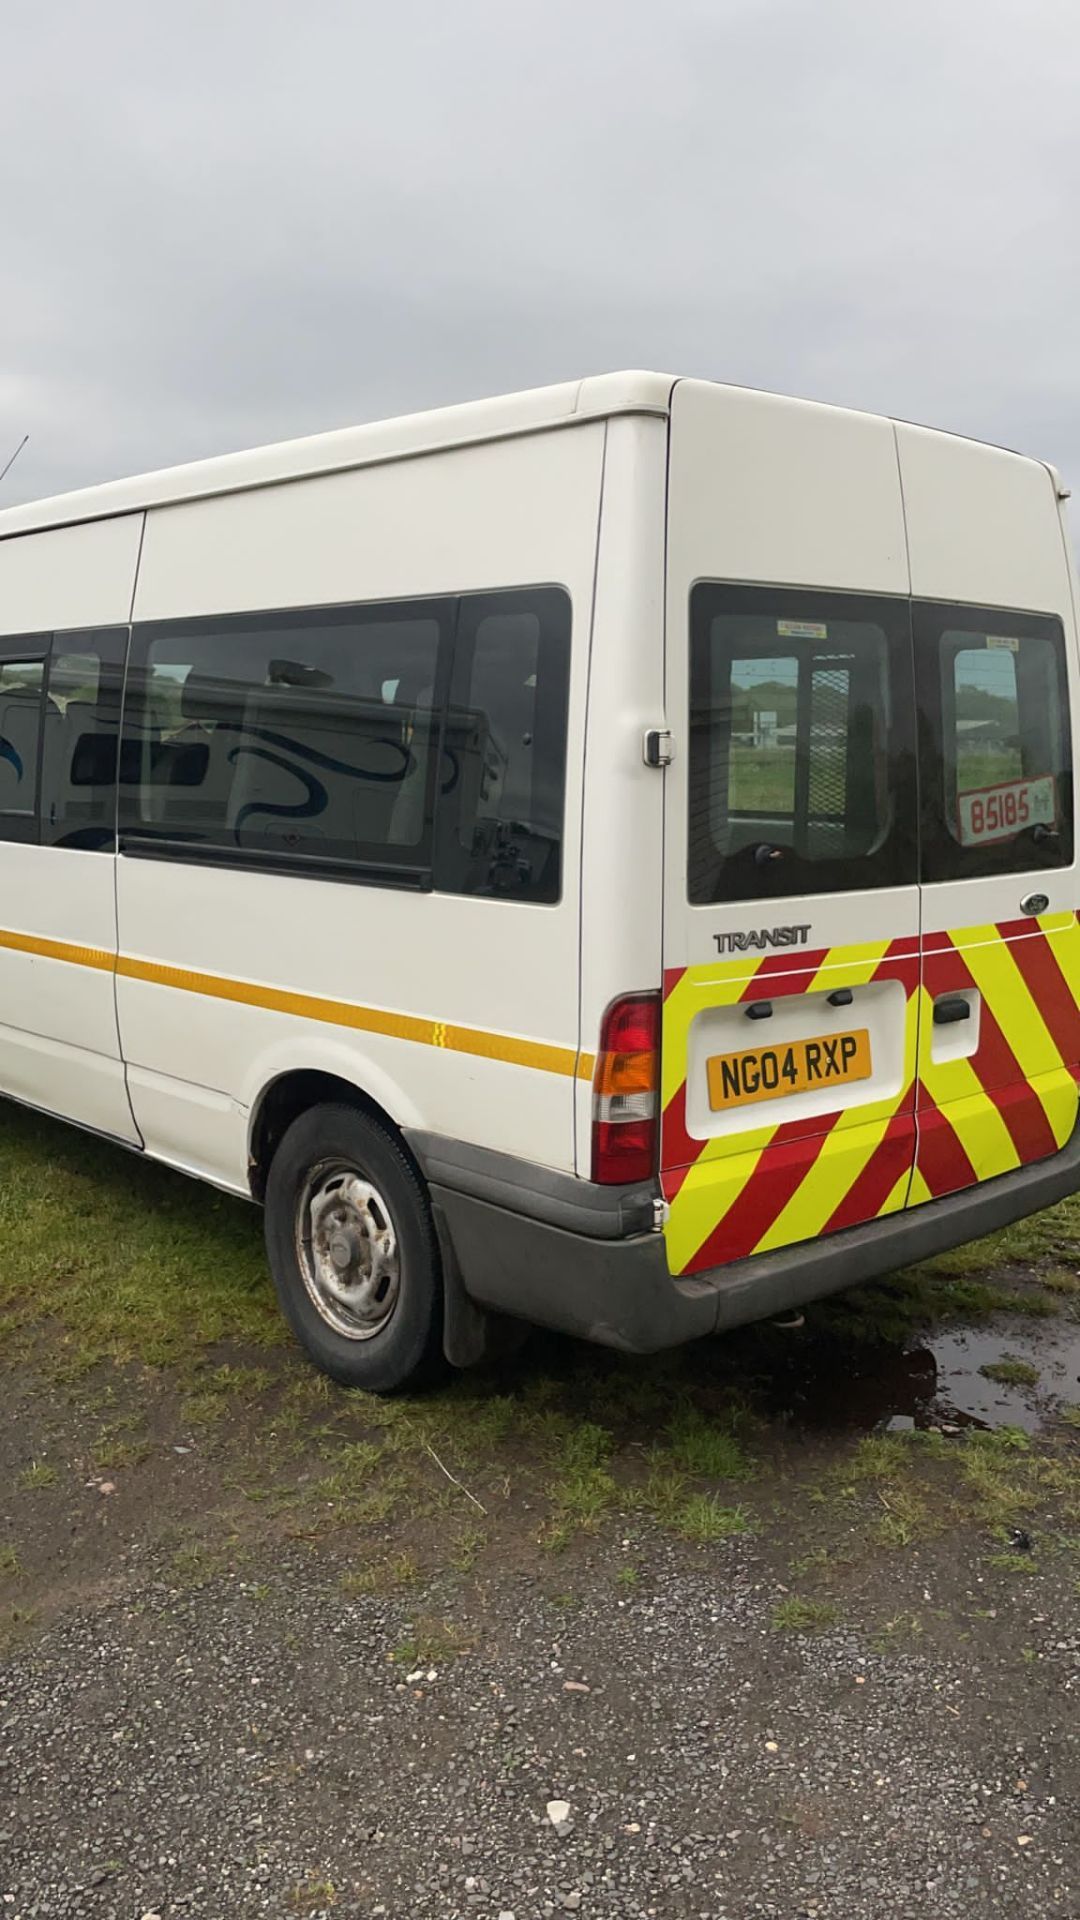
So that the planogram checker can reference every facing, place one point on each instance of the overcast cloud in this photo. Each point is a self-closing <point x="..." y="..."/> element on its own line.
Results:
<point x="227" y="222"/>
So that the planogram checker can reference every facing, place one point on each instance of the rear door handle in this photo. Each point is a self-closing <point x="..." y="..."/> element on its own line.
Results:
<point x="950" y="1008"/>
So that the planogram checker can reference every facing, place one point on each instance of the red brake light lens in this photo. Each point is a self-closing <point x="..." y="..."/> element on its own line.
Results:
<point x="626" y="1091"/>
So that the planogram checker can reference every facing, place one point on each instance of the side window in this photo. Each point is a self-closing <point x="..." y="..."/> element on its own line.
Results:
<point x="996" y="758"/>
<point x="22" y="722"/>
<point x="287" y="737"/>
<point x="503" y="778"/>
<point x="82" y="727"/>
<point x="801" y="772"/>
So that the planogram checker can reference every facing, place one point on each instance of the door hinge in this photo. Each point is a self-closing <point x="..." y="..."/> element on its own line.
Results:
<point x="657" y="747"/>
<point x="661" y="1213"/>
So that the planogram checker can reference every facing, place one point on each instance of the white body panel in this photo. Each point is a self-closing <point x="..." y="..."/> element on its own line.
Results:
<point x="59" y="1047"/>
<point x="78" y="576"/>
<point x="982" y="524"/>
<point x="622" y="846"/>
<point x="523" y="511"/>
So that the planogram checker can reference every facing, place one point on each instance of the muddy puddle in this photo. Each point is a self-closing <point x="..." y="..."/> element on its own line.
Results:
<point x="1004" y="1373"/>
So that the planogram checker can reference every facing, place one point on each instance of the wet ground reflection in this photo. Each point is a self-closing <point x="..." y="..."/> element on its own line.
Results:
<point x="814" y="1378"/>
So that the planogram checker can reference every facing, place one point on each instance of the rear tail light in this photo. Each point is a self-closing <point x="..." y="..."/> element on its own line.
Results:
<point x="626" y="1091"/>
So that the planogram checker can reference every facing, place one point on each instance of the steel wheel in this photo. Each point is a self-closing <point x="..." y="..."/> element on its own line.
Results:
<point x="347" y="1251"/>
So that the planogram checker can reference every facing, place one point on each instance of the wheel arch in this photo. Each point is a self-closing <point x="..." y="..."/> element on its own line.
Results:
<point x="293" y="1091"/>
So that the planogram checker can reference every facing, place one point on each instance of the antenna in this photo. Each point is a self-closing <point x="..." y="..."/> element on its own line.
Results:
<point x="4" y="471"/>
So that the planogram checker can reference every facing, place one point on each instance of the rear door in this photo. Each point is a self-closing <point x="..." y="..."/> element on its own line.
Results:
<point x="792" y="904"/>
<point x="1000" y="1034"/>
<point x="999" y="1044"/>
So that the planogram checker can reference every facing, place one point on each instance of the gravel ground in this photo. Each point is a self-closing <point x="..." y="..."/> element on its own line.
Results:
<point x="254" y="1748"/>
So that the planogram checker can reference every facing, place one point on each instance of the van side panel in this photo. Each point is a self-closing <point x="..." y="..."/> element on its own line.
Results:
<point x="58" y="1040"/>
<point x="69" y="577"/>
<point x="622" y="840"/>
<point x="457" y="1014"/>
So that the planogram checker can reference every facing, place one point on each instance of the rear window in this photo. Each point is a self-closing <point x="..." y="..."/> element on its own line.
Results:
<point x="995" y="750"/>
<point x="801" y="765"/>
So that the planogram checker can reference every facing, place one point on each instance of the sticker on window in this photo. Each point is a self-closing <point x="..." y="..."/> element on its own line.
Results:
<point x="997" y="813"/>
<point x="802" y="629"/>
<point x="1003" y="640"/>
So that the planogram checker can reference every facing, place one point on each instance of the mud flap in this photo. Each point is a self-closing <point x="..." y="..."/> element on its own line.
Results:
<point x="472" y="1336"/>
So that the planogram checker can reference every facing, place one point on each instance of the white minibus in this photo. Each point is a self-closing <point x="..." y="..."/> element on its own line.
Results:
<point x="601" y="858"/>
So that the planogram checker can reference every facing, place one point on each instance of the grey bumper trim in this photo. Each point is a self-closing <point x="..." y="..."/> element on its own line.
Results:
<point x="538" y="1193"/>
<point x="619" y="1292"/>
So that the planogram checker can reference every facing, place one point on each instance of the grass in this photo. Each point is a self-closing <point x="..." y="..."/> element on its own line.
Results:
<point x="1013" y="1562"/>
<point x="119" y="1443"/>
<point x="1011" y="1372"/>
<point x="582" y="1487"/>
<point x="38" y="1474"/>
<point x="907" y="1516"/>
<point x="15" y="1622"/>
<point x="142" y="1268"/>
<point x="702" y="1517"/>
<point x="1060" y="1280"/>
<point x="197" y="1562"/>
<point x="11" y="1566"/>
<point x="705" y="1448"/>
<point x="314" y="1894"/>
<point x="796" y="1615"/>
<point x="994" y="1474"/>
<point x="137" y="1264"/>
<point x="382" y="1576"/>
<point x="467" y="1548"/>
<point x="941" y="1290"/>
<point x="432" y="1642"/>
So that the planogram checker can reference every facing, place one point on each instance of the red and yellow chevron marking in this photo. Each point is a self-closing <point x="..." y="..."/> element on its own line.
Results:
<point x="1012" y="1101"/>
<point x="746" y="1192"/>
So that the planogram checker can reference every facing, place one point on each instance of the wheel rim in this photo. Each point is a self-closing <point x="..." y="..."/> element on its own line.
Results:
<point x="347" y="1248"/>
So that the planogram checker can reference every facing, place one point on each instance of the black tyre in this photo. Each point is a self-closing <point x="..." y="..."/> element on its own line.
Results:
<point x="353" y="1251"/>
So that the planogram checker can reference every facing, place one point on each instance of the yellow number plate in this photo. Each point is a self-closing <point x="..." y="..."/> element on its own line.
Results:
<point x="798" y="1066"/>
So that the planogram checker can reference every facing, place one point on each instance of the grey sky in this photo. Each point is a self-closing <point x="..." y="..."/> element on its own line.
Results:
<point x="231" y="221"/>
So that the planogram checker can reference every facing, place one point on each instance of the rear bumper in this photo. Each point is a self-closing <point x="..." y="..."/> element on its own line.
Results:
<point x="556" y="1255"/>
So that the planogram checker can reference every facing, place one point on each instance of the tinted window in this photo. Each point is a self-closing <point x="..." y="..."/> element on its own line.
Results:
<point x="801" y="767"/>
<point x="503" y="784"/>
<point x="82" y="718"/>
<point x="995" y="749"/>
<point x="22" y="718"/>
<point x="286" y="735"/>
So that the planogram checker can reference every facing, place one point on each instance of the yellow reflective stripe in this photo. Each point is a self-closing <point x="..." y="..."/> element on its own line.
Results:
<point x="58" y="950"/>
<point x="705" y="1197"/>
<point x="897" y="1197"/>
<point x="824" y="1184"/>
<point x="504" y="1047"/>
<point x="964" y="937"/>
<point x="982" y="1132"/>
<point x="1058" y="923"/>
<point x="918" y="1191"/>
<point x="1059" y="1097"/>
<point x="1065" y="947"/>
<point x="1005" y="991"/>
<point x="856" y="963"/>
<point x="724" y="985"/>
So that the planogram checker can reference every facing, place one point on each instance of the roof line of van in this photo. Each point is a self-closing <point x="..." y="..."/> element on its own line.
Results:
<point x="535" y="410"/>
